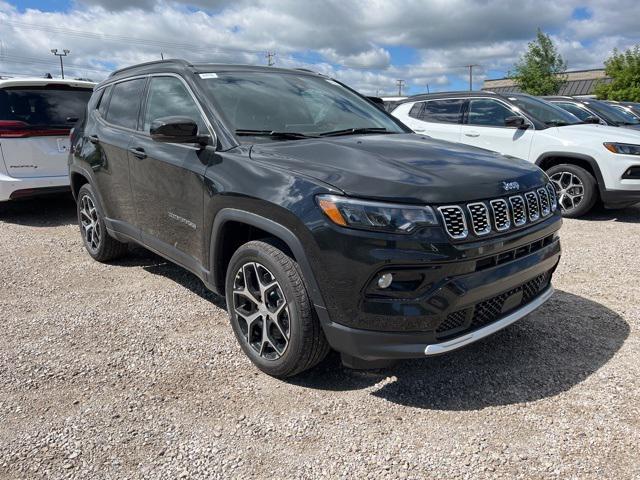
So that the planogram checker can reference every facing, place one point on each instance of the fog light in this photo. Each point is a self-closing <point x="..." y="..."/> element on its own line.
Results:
<point x="385" y="280"/>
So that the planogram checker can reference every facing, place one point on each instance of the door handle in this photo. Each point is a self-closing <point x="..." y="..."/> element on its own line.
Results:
<point x="94" y="139"/>
<point x="472" y="134"/>
<point x="138" y="152"/>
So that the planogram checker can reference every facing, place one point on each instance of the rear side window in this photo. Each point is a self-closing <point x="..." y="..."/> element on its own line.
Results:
<point x="125" y="103"/>
<point x="49" y="106"/>
<point x="488" y="112"/>
<point x="442" y="111"/>
<point x="104" y="101"/>
<point x="169" y="97"/>
<point x="415" y="110"/>
<point x="578" y="111"/>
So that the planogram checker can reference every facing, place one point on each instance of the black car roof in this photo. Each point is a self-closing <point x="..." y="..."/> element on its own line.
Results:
<point x="181" y="66"/>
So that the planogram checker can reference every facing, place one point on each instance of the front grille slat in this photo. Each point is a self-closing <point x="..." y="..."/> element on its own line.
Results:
<point x="454" y="221"/>
<point x="498" y="215"/>
<point x="533" y="207"/>
<point x="480" y="220"/>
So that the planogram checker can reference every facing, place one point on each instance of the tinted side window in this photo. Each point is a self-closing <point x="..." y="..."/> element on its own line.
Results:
<point x="443" y="111"/>
<point x="578" y="111"/>
<point x="169" y="97"/>
<point x="488" y="112"/>
<point x="104" y="101"/>
<point x="415" y="110"/>
<point x="125" y="103"/>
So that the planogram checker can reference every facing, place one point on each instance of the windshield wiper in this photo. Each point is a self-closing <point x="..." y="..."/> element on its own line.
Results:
<point x="271" y="133"/>
<point x="354" y="131"/>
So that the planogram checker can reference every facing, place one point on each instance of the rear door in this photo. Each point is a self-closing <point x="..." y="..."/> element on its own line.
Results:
<point x="441" y="118"/>
<point x="111" y="136"/>
<point x="485" y="127"/>
<point x="34" y="128"/>
<point x="168" y="178"/>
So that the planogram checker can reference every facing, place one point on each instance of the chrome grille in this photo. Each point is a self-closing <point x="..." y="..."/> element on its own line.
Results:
<point x="454" y="221"/>
<point x="533" y="207"/>
<point x="517" y="210"/>
<point x="501" y="218"/>
<point x="552" y="196"/>
<point x="480" y="220"/>
<point x="545" y="206"/>
<point x="498" y="214"/>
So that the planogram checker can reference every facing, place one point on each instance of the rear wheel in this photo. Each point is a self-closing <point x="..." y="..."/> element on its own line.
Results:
<point x="576" y="189"/>
<point x="97" y="241"/>
<point x="271" y="314"/>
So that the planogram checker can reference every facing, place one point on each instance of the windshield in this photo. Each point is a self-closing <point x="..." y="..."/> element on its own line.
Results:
<point x="263" y="102"/>
<point x="545" y="112"/>
<point x="57" y="107"/>
<point x="612" y="114"/>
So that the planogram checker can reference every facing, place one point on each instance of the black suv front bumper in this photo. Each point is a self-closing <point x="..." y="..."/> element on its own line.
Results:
<point x="483" y="288"/>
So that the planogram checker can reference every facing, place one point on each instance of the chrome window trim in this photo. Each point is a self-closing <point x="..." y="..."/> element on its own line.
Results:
<point x="212" y="133"/>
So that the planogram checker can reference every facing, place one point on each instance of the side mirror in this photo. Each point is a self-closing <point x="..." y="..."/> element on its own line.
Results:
<point x="516" y="121"/>
<point x="592" y="119"/>
<point x="176" y="130"/>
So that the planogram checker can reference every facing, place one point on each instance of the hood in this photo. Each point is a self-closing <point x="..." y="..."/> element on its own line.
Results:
<point x="604" y="133"/>
<point x="402" y="167"/>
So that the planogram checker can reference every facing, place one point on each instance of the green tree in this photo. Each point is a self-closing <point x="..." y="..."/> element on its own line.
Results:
<point x="624" y="70"/>
<point x="540" y="71"/>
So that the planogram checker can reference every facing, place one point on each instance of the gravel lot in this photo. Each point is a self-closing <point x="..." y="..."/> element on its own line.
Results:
<point x="131" y="370"/>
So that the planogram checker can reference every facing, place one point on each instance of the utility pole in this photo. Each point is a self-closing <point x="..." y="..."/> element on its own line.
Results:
<point x="400" y="83"/>
<point x="270" y="58"/>
<point x="64" y="54"/>
<point x="470" y="67"/>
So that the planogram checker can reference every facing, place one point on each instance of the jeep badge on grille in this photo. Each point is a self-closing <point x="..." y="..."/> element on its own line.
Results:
<point x="508" y="186"/>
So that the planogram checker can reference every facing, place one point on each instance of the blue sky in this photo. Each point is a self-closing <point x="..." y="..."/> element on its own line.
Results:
<point x="367" y="43"/>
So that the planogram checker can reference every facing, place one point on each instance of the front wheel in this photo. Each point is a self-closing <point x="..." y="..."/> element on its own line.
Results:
<point x="576" y="189"/>
<point x="271" y="314"/>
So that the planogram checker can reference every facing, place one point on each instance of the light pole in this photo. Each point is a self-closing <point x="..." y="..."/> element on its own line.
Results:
<point x="64" y="54"/>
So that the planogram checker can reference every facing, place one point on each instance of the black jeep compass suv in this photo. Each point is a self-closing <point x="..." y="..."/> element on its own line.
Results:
<point x="324" y="220"/>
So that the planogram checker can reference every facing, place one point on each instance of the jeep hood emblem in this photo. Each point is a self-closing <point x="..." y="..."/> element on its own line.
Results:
<point x="508" y="186"/>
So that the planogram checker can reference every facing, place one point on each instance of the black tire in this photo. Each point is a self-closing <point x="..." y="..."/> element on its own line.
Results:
<point x="98" y="243"/>
<point x="589" y="189"/>
<point x="306" y="345"/>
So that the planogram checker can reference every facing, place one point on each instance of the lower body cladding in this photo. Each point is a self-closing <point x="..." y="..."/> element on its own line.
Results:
<point x="457" y="310"/>
<point x="12" y="188"/>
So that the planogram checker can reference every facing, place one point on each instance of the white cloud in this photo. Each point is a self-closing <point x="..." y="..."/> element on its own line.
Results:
<point x="356" y="41"/>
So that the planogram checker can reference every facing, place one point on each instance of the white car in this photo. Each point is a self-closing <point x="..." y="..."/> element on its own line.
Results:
<point x="36" y="116"/>
<point x="586" y="162"/>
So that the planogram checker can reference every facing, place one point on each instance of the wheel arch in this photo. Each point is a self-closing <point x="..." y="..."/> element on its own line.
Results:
<point x="223" y="244"/>
<point x="551" y="159"/>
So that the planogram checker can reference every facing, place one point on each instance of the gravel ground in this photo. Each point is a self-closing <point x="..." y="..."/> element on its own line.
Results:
<point x="131" y="370"/>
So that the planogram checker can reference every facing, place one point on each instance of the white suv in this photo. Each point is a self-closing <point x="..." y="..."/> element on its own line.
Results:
<point x="36" y="115"/>
<point x="586" y="162"/>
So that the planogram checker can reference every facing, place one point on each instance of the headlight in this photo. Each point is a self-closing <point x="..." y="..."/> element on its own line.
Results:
<point x="623" y="148"/>
<point x="378" y="216"/>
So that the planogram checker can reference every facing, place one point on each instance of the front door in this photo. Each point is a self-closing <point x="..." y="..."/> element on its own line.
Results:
<point x="485" y="128"/>
<point x="167" y="179"/>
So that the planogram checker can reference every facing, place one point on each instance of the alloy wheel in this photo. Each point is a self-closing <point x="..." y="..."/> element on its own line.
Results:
<point x="89" y="223"/>
<point x="569" y="189"/>
<point x="262" y="310"/>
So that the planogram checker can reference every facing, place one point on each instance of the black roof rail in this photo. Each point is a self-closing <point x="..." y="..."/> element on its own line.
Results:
<point x="175" y="61"/>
